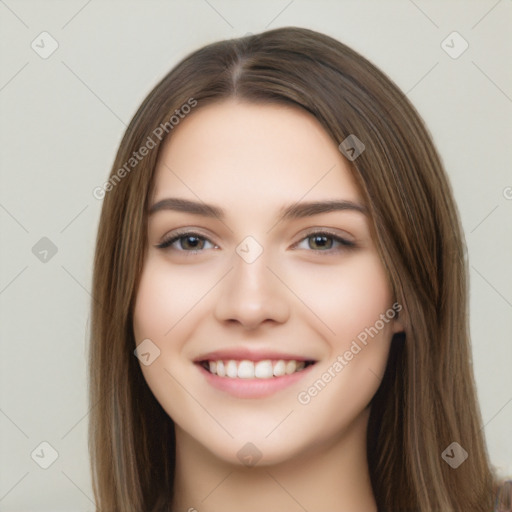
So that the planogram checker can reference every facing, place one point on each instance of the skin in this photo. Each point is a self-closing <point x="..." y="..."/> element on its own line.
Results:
<point x="253" y="160"/>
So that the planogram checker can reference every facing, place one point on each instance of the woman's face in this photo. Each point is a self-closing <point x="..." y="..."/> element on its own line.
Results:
<point x="260" y="265"/>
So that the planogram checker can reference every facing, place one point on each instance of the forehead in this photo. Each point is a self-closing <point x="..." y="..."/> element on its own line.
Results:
<point x="253" y="152"/>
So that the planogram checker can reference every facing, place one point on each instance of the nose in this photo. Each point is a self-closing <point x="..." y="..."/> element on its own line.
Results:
<point x="251" y="295"/>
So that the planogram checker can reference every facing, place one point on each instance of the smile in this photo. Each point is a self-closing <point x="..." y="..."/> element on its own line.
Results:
<point x="244" y="378"/>
<point x="246" y="369"/>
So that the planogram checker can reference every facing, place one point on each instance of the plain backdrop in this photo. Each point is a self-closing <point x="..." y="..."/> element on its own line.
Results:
<point x="63" y="116"/>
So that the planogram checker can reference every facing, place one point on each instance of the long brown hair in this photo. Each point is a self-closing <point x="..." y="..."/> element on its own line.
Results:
<point x="427" y="398"/>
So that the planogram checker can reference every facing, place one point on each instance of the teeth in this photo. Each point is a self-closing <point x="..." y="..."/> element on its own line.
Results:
<point x="232" y="369"/>
<point x="263" y="370"/>
<point x="279" y="369"/>
<point x="221" y="370"/>
<point x="291" y="366"/>
<point x="245" y="369"/>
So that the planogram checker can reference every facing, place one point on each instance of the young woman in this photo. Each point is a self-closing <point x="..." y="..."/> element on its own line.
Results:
<point x="280" y="316"/>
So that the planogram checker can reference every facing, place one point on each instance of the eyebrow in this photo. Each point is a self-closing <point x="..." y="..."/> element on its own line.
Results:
<point x="295" y="211"/>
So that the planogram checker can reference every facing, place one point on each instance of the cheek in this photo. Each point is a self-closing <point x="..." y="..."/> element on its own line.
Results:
<point x="150" y="319"/>
<point x="352" y="301"/>
<point x="347" y="299"/>
<point x="166" y="298"/>
<point x="171" y="302"/>
<point x="364" y="294"/>
<point x="165" y="309"/>
<point x="363" y="338"/>
<point x="160" y="315"/>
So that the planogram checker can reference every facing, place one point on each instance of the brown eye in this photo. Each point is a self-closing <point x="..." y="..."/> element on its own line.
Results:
<point x="189" y="242"/>
<point x="324" y="242"/>
<point x="321" y="242"/>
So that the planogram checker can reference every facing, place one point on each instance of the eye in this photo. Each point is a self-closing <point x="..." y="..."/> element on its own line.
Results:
<point x="188" y="242"/>
<point x="325" y="242"/>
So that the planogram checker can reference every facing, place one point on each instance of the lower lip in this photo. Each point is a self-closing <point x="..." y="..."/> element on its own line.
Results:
<point x="253" y="388"/>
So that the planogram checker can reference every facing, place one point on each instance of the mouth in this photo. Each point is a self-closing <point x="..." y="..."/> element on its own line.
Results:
<point x="250" y="379"/>
<point x="247" y="369"/>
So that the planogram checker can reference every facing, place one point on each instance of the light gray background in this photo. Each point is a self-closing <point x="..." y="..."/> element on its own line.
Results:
<point x="63" y="117"/>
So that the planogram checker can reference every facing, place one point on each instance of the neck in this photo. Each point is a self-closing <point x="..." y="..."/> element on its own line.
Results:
<point x="332" y="477"/>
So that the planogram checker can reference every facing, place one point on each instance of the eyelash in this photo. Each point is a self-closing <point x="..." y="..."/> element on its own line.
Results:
<point x="343" y="243"/>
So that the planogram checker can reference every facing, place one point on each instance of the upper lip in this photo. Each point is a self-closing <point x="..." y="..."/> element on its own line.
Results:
<point x="249" y="355"/>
